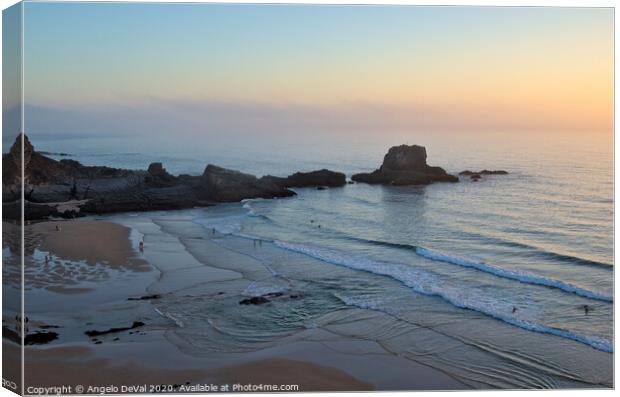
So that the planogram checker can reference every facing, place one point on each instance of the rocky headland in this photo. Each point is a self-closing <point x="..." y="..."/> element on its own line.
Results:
<point x="66" y="188"/>
<point x="405" y="165"/>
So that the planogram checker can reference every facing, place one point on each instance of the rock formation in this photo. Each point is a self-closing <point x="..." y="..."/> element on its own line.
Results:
<point x="484" y="172"/>
<point x="158" y="176"/>
<point x="67" y="188"/>
<point x="405" y="165"/>
<point x="318" y="178"/>
<point x="475" y="176"/>
<point x="224" y="185"/>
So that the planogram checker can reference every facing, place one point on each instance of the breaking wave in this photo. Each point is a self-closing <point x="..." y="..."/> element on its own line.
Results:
<point x="426" y="283"/>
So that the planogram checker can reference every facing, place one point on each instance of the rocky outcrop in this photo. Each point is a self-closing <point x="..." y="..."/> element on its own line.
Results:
<point x="318" y="178"/>
<point x="158" y="176"/>
<point x="37" y="168"/>
<point x="475" y="176"/>
<point x="67" y="188"/>
<point x="483" y="172"/>
<point x="224" y="185"/>
<point x="405" y="165"/>
<point x="255" y="300"/>
<point x="36" y="338"/>
<point x="93" y="333"/>
<point x="405" y="158"/>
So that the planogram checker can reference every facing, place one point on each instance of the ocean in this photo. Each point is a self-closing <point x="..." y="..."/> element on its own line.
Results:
<point x="486" y="281"/>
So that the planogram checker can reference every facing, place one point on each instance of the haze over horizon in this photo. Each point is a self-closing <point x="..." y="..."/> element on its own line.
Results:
<point x="126" y="68"/>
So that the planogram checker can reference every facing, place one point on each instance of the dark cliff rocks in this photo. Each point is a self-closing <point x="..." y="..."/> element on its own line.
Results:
<point x="405" y="165"/>
<point x="67" y="188"/>
<point x="318" y="178"/>
<point x="158" y="176"/>
<point x="37" y="168"/>
<point x="224" y="185"/>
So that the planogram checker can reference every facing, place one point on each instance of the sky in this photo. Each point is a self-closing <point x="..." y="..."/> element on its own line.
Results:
<point x="152" y="68"/>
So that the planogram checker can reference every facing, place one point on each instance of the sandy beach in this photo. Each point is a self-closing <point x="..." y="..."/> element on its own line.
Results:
<point x="96" y="279"/>
<point x="90" y="241"/>
<point x="79" y="365"/>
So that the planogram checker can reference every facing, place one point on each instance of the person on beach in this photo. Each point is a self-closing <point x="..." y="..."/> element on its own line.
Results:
<point x="586" y="309"/>
<point x="19" y="322"/>
<point x="141" y="246"/>
<point x="57" y="228"/>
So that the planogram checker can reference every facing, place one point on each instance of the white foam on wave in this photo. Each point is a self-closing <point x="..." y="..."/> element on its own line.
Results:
<point x="250" y="210"/>
<point x="523" y="277"/>
<point x="427" y="283"/>
<point x="226" y="224"/>
<point x="135" y="237"/>
<point x="232" y="225"/>
<point x="222" y="224"/>
<point x="169" y="316"/>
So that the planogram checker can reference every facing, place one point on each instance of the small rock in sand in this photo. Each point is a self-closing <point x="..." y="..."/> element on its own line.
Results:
<point x="256" y="300"/>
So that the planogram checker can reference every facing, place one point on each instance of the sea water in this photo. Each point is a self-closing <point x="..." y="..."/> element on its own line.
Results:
<point x="485" y="280"/>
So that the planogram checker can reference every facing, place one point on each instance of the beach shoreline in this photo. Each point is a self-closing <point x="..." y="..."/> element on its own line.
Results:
<point x="121" y="357"/>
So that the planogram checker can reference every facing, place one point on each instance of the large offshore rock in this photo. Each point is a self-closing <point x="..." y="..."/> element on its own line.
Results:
<point x="405" y="165"/>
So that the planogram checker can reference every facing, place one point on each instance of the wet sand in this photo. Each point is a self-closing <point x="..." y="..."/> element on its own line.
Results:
<point x="279" y="371"/>
<point x="79" y="365"/>
<point x="147" y="355"/>
<point x="90" y="241"/>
